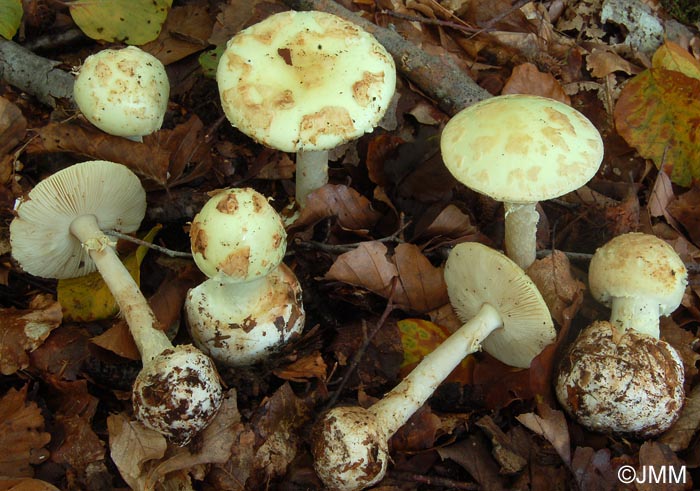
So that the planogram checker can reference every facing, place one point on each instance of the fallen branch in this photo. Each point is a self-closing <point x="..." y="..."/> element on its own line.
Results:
<point x="438" y="77"/>
<point x="34" y="74"/>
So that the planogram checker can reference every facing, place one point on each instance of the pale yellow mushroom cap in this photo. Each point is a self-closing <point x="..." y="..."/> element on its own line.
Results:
<point x="521" y="148"/>
<point x="305" y="81"/>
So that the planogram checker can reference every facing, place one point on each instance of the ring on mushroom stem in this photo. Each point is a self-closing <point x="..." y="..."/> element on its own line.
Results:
<point x="521" y="149"/>
<point x="503" y="312"/>
<point x="124" y="92"/>
<point x="305" y="82"/>
<point x="58" y="233"/>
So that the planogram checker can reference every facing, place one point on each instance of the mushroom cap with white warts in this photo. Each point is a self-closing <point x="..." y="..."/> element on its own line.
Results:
<point x="178" y="393"/>
<point x="521" y="148"/>
<point x="239" y="324"/>
<point x="305" y="81"/>
<point x="638" y="265"/>
<point x="476" y="275"/>
<point x="615" y="382"/>
<point x="124" y="92"/>
<point x="40" y="233"/>
<point x="237" y="234"/>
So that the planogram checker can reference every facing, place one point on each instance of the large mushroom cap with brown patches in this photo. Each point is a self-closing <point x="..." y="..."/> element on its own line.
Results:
<point x="305" y="81"/>
<point x="40" y="234"/>
<point x="521" y="148"/>
<point x="476" y="275"/>
<point x="238" y="234"/>
<point x="638" y="265"/>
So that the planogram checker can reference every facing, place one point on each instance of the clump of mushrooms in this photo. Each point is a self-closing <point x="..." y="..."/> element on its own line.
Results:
<point x="251" y="304"/>
<point x="124" y="92"/>
<point x="305" y="82"/>
<point x="58" y="233"/>
<point x="521" y="149"/>
<point x="503" y="312"/>
<point x="621" y="382"/>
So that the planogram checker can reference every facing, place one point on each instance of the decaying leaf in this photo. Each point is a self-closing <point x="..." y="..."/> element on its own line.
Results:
<point x="679" y="436"/>
<point x="13" y="126"/>
<point x="686" y="210"/>
<point x="474" y="455"/>
<point x="22" y="436"/>
<point x="25" y="484"/>
<point x="655" y="455"/>
<point x="527" y="79"/>
<point x="504" y="449"/>
<point x="23" y="331"/>
<point x="352" y="210"/>
<point x="185" y="31"/>
<point x="308" y="367"/>
<point x="551" y="424"/>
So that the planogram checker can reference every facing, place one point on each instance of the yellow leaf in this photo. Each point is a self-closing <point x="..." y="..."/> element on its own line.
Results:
<point x="673" y="57"/>
<point x="87" y="298"/>
<point x="10" y="17"/>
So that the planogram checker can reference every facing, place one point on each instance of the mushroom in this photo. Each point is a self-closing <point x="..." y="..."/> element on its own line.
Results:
<point x="621" y="382"/>
<point x="503" y="312"/>
<point x="641" y="278"/>
<point x="521" y="149"/>
<point x="124" y="92"/>
<point x="305" y="82"/>
<point x="251" y="304"/>
<point x="58" y="233"/>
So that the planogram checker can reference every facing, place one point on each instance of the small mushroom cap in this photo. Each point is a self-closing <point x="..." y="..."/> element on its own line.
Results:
<point x="615" y="382"/>
<point x="305" y="81"/>
<point x="237" y="233"/>
<point x="40" y="233"/>
<point x="124" y="92"/>
<point x="521" y="148"/>
<point x="239" y="324"/>
<point x="350" y="451"/>
<point x="476" y="275"/>
<point x="178" y="393"/>
<point x="638" y="265"/>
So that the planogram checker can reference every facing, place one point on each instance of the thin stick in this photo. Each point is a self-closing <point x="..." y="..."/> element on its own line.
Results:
<point x="436" y="481"/>
<point x="163" y="250"/>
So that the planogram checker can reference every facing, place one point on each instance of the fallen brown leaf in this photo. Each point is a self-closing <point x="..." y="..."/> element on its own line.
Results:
<point x="308" y="367"/>
<point x="13" y="126"/>
<point x="9" y="484"/>
<point x="185" y="31"/>
<point x="63" y="353"/>
<point x="654" y="455"/>
<point x="551" y="424"/>
<point x="680" y="435"/>
<point x="527" y="79"/>
<point x="352" y="210"/>
<point x="686" y="209"/>
<point x="474" y="455"/>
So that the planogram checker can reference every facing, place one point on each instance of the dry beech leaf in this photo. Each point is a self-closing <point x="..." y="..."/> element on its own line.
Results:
<point x="602" y="62"/>
<point x="118" y="339"/>
<point x="655" y="455"/>
<point x="527" y="79"/>
<point x="474" y="455"/>
<point x="681" y="434"/>
<point x="379" y="149"/>
<point x="450" y="223"/>
<point x="686" y="210"/>
<point x="302" y="370"/>
<point x="422" y="284"/>
<point x="551" y="424"/>
<point x="592" y="469"/>
<point x="352" y="210"/>
<point x="23" y="331"/>
<point x="562" y="293"/>
<point x="22" y="438"/>
<point x="8" y="484"/>
<point x="185" y="31"/>
<point x="13" y="126"/>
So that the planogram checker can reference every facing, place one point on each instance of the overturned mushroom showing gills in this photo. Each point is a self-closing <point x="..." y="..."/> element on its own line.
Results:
<point x="641" y="278"/>
<point x="124" y="92"/>
<point x="305" y="82"/>
<point x="58" y="233"/>
<point x="503" y="312"/>
<point x="240" y="324"/>
<point x="521" y="149"/>
<point x="628" y="383"/>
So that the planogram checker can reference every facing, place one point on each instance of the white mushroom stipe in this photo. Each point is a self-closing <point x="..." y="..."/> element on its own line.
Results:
<point x="58" y="234"/>
<point x="628" y="383"/>
<point x="521" y="149"/>
<point x="641" y="278"/>
<point x="124" y="92"/>
<point x="350" y="444"/>
<point x="305" y="82"/>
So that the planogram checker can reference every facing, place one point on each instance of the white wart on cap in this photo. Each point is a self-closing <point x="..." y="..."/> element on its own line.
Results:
<point x="615" y="382"/>
<point x="124" y="92"/>
<point x="305" y="82"/>
<point x="640" y="277"/>
<point x="521" y="149"/>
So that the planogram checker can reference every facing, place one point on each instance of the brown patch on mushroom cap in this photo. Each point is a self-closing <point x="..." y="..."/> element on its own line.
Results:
<point x="329" y="120"/>
<point x="237" y="263"/>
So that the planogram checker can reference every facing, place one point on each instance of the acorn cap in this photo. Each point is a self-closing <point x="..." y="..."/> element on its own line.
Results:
<point x="305" y="81"/>
<point x="521" y="148"/>
<point x="124" y="92"/>
<point x="638" y="265"/>
<point x="40" y="233"/>
<point x="238" y="234"/>
<point x="476" y="275"/>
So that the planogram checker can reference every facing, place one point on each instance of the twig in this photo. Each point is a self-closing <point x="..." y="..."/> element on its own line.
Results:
<point x="341" y="248"/>
<point x="360" y="353"/>
<point x="163" y="250"/>
<point x="516" y="6"/>
<point x="427" y="20"/>
<point x="436" y="481"/>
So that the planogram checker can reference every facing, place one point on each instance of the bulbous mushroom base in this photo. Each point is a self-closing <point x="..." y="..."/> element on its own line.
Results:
<point x="627" y="382"/>
<point x="350" y="451"/>
<point x="178" y="393"/>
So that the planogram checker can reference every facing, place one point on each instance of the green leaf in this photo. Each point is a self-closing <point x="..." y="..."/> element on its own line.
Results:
<point x="658" y="113"/>
<point x="10" y="17"/>
<point x="87" y="298"/>
<point x="209" y="60"/>
<point x="134" y="22"/>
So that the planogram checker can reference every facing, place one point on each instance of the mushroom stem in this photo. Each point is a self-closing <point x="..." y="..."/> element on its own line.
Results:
<point x="397" y="406"/>
<point x="311" y="174"/>
<point x="636" y="313"/>
<point x="138" y="314"/>
<point x="521" y="232"/>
